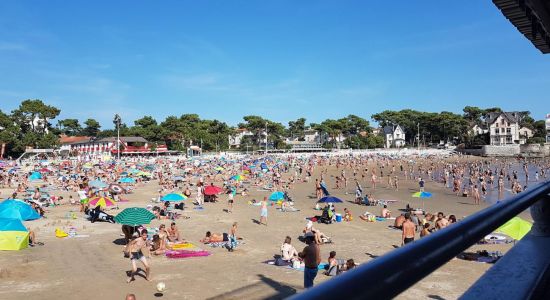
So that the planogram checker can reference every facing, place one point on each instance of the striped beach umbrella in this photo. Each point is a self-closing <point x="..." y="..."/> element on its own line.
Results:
<point x="238" y="177"/>
<point x="102" y="201"/>
<point x="134" y="216"/>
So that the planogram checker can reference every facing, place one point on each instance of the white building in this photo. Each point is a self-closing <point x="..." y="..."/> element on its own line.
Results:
<point x="504" y="128"/>
<point x="394" y="136"/>
<point x="525" y="134"/>
<point x="478" y="130"/>
<point x="548" y="128"/>
<point x="236" y="138"/>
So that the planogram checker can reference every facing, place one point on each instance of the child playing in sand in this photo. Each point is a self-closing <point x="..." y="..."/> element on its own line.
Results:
<point x="347" y="215"/>
<point x="136" y="248"/>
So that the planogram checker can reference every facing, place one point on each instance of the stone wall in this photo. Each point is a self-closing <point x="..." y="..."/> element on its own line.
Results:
<point x="504" y="150"/>
<point x="534" y="150"/>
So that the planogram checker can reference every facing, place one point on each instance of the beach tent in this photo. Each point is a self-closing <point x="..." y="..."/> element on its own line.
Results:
<point x="17" y="209"/>
<point x="277" y="196"/>
<point x="35" y="176"/>
<point x="13" y="234"/>
<point x="516" y="228"/>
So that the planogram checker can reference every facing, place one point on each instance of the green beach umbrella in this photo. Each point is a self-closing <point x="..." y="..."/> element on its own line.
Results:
<point x="516" y="228"/>
<point x="134" y="216"/>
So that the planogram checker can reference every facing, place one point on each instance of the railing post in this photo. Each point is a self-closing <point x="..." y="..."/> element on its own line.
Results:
<point x="540" y="211"/>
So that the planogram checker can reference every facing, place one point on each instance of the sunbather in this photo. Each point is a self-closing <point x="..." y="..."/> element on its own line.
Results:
<point x="158" y="247"/>
<point x="288" y="252"/>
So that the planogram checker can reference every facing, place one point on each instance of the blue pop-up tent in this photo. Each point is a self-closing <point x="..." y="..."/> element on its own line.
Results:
<point x="17" y="209"/>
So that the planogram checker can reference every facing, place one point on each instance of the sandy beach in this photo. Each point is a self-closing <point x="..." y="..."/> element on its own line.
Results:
<point x="93" y="266"/>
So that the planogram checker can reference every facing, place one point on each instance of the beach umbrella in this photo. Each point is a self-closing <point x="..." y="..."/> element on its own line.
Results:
<point x="516" y="228"/>
<point x="124" y="173"/>
<point x="330" y="199"/>
<point x="35" y="176"/>
<point x="219" y="168"/>
<point x="13" y="234"/>
<point x="174" y="197"/>
<point x="146" y="174"/>
<point x="115" y="188"/>
<point x="102" y="201"/>
<point x="212" y="190"/>
<point x="97" y="184"/>
<point x="17" y="209"/>
<point x="277" y="196"/>
<point x="134" y="216"/>
<point x="422" y="195"/>
<point x="237" y="178"/>
<point x="127" y="180"/>
<point x="149" y="167"/>
<point x="178" y="178"/>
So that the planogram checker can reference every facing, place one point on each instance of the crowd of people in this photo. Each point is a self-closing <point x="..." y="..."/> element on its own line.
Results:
<point x="368" y="174"/>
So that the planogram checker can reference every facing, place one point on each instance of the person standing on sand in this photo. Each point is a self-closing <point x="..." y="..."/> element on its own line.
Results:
<point x="312" y="257"/>
<point x="409" y="230"/>
<point x="136" y="248"/>
<point x="200" y="193"/>
<point x="263" y="212"/>
<point x="476" y="195"/>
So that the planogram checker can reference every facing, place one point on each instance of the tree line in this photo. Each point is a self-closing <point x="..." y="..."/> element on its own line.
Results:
<point x="34" y="124"/>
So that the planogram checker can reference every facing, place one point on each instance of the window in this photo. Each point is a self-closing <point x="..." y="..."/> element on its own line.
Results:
<point x="502" y="121"/>
<point x="508" y="130"/>
<point x="496" y="125"/>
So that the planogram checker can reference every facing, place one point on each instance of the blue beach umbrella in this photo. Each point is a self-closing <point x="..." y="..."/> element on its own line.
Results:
<point x="422" y="195"/>
<point x="330" y="199"/>
<point x="97" y="184"/>
<point x="127" y="180"/>
<point x="173" y="197"/>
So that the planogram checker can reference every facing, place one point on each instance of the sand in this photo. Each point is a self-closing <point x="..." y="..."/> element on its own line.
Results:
<point x="93" y="267"/>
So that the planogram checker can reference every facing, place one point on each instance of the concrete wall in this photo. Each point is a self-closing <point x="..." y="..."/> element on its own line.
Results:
<point x="536" y="150"/>
<point x="504" y="150"/>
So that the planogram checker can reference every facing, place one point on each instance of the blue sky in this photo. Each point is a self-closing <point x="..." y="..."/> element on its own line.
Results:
<point x="278" y="59"/>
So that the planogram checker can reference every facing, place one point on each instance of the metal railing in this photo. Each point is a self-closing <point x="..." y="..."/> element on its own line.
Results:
<point x="387" y="276"/>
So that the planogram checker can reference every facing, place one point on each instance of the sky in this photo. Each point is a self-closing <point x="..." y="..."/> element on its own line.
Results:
<point x="281" y="59"/>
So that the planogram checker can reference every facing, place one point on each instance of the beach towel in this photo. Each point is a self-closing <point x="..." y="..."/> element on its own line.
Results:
<point x="224" y="244"/>
<point x="186" y="253"/>
<point x="321" y="266"/>
<point x="180" y="246"/>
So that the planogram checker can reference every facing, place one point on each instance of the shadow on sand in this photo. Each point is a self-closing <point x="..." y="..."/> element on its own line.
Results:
<point x="255" y="290"/>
